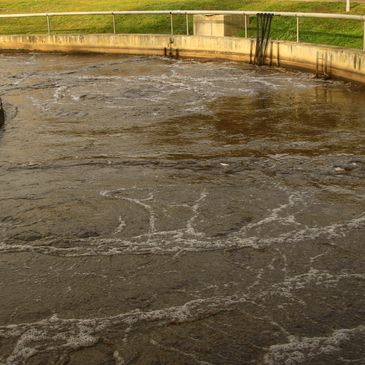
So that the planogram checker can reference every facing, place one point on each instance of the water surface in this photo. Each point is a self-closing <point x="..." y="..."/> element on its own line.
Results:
<point x="157" y="211"/>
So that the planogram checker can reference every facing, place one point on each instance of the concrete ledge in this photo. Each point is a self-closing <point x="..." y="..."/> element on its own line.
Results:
<point x="337" y="62"/>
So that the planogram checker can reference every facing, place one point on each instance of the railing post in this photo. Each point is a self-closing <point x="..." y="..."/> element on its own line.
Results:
<point x="48" y="24"/>
<point x="114" y="28"/>
<point x="187" y="23"/>
<point x="297" y="29"/>
<point x="245" y="26"/>
<point x="348" y="6"/>
<point x="171" y="27"/>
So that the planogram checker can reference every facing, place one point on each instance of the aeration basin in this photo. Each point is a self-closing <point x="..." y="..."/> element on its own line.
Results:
<point x="164" y="211"/>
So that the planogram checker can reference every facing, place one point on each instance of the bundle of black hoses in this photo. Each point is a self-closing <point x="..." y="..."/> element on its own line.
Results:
<point x="263" y="21"/>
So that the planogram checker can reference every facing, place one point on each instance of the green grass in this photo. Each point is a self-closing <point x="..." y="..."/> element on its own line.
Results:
<point x="335" y="32"/>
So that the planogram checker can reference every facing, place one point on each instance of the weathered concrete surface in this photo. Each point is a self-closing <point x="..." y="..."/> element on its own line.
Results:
<point x="338" y="62"/>
<point x="218" y="25"/>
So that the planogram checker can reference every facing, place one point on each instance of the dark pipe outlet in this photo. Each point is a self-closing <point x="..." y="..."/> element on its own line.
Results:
<point x="2" y="114"/>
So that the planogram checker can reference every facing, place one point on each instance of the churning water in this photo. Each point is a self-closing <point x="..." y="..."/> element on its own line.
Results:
<point x="157" y="211"/>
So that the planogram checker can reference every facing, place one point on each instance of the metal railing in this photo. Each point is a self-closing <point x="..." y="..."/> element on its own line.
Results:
<point x="246" y="15"/>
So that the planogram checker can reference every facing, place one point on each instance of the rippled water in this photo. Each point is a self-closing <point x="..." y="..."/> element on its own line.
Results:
<point x="157" y="211"/>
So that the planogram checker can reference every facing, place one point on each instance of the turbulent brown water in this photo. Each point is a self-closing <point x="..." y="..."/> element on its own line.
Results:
<point x="157" y="211"/>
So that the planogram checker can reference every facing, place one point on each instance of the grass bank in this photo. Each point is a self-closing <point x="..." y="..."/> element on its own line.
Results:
<point x="336" y="32"/>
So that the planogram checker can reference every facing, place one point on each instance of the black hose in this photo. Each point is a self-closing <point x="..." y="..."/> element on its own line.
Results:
<point x="263" y="24"/>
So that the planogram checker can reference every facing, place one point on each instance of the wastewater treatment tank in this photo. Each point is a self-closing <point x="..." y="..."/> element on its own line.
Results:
<point x="160" y="211"/>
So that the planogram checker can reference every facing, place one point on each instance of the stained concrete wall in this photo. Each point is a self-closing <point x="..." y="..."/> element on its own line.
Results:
<point x="219" y="25"/>
<point x="339" y="62"/>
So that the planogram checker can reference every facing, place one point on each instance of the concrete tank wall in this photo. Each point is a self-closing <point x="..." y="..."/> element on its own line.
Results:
<point x="218" y="25"/>
<point x="338" y="62"/>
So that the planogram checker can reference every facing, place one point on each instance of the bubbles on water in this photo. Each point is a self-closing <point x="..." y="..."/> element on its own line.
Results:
<point x="204" y="201"/>
<point x="306" y="349"/>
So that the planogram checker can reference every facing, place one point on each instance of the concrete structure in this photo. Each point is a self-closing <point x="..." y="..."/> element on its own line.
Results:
<point x="219" y="25"/>
<point x="334" y="61"/>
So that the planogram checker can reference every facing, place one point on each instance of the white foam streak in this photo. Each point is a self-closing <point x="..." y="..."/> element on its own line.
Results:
<point x="65" y="335"/>
<point x="195" y="209"/>
<point x="186" y="239"/>
<point x="306" y="349"/>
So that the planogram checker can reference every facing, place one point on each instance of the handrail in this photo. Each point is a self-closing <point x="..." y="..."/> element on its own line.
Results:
<point x="246" y="13"/>
<point x="189" y="12"/>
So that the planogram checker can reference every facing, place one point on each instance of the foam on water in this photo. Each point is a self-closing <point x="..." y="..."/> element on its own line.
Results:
<point x="65" y="335"/>
<point x="307" y="349"/>
<point x="189" y="239"/>
<point x="61" y="336"/>
<point x="179" y="212"/>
